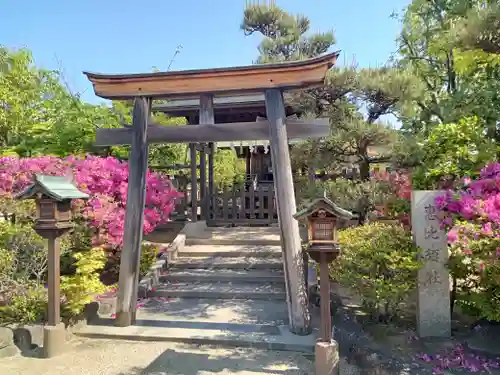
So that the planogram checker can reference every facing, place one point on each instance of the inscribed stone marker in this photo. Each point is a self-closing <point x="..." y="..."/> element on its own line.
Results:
<point x="433" y="304"/>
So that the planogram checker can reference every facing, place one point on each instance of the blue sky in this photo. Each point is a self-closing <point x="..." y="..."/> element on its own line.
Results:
<point x="111" y="36"/>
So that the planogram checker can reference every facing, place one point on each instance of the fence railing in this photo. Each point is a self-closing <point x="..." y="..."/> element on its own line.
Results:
<point x="244" y="204"/>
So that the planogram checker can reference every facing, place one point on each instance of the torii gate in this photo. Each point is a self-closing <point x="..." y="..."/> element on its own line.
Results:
<point x="272" y="79"/>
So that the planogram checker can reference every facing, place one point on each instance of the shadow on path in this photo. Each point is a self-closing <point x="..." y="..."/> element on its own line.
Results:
<point x="173" y="362"/>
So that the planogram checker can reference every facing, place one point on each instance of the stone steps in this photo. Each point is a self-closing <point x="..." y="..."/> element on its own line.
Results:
<point x="255" y="251"/>
<point x="227" y="263"/>
<point x="227" y="290"/>
<point x="236" y="335"/>
<point x="226" y="275"/>
<point x="224" y="290"/>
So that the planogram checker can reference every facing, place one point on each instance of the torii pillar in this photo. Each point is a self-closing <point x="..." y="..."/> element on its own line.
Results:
<point x="298" y="306"/>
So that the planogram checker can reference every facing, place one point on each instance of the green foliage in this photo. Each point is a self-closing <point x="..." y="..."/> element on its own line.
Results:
<point x="23" y="270"/>
<point x="379" y="262"/>
<point x="480" y="30"/>
<point x="456" y="83"/>
<point x="82" y="287"/>
<point x="28" y="251"/>
<point x="452" y="151"/>
<point x="25" y="307"/>
<point x="149" y="253"/>
<point x="228" y="168"/>
<point x="39" y="115"/>
<point x="284" y="34"/>
<point x="7" y="271"/>
<point x="354" y="196"/>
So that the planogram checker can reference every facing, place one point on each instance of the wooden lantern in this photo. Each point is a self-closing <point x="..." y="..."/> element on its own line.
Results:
<point x="323" y="217"/>
<point x="53" y="196"/>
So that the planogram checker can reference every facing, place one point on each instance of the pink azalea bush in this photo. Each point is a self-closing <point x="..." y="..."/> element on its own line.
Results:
<point x="472" y="217"/>
<point x="104" y="179"/>
<point x="399" y="186"/>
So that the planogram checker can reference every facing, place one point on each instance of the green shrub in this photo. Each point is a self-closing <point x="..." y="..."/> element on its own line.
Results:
<point x="82" y="287"/>
<point x="453" y="151"/>
<point x="355" y="196"/>
<point x="7" y="271"/>
<point x="27" y="307"/>
<point x="149" y="252"/>
<point x="380" y="263"/>
<point x="28" y="249"/>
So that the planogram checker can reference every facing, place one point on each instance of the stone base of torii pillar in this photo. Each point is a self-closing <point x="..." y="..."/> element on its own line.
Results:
<point x="327" y="358"/>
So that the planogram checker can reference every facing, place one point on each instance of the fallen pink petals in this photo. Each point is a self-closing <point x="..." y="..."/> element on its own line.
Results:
<point x="457" y="358"/>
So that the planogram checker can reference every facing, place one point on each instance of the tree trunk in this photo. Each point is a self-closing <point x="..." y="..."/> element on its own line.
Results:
<point x="364" y="170"/>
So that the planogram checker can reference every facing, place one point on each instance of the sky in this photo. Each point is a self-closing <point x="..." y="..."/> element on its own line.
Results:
<point x="125" y="36"/>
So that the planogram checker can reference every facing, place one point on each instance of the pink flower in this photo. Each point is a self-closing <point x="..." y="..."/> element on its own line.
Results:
<point x="452" y="236"/>
<point x="105" y="180"/>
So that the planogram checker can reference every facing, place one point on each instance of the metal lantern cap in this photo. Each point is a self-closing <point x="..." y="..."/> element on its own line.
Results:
<point x="59" y="188"/>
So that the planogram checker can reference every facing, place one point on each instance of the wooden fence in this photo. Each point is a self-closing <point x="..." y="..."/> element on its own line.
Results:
<point x="245" y="204"/>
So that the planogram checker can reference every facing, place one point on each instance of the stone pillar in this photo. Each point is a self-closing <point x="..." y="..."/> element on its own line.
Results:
<point x="433" y="304"/>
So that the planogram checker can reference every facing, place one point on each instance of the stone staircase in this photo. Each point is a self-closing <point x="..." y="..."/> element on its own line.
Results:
<point x="225" y="272"/>
<point x="218" y="291"/>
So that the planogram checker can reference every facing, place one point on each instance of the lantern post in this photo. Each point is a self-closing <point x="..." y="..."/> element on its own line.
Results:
<point x="323" y="218"/>
<point x="53" y="196"/>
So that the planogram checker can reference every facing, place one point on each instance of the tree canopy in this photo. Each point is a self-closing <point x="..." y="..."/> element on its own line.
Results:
<point x="356" y="100"/>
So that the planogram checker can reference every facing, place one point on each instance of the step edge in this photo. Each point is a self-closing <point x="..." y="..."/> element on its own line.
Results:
<point x="274" y="346"/>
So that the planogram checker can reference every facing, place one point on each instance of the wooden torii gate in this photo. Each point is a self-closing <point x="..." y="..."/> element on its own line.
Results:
<point x="272" y="79"/>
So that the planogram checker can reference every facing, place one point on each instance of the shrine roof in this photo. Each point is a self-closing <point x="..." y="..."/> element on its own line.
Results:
<point x="230" y="81"/>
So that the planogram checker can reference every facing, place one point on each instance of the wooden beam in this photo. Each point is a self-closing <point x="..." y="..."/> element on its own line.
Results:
<point x="192" y="83"/>
<point x="194" y="176"/>
<point x="206" y="118"/>
<point x="210" y="200"/>
<point x="54" y="281"/>
<point x="134" y="216"/>
<point x="238" y="131"/>
<point x="298" y="309"/>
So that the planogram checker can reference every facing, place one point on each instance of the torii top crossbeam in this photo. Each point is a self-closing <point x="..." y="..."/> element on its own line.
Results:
<point x="220" y="81"/>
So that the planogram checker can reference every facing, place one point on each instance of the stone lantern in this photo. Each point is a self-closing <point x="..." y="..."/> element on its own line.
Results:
<point x="323" y="218"/>
<point x="53" y="196"/>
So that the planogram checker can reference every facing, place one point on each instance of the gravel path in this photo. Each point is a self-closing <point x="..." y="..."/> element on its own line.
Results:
<point x="105" y="357"/>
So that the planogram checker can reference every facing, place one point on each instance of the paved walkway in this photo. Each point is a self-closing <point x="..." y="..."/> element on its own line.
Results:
<point x="105" y="357"/>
